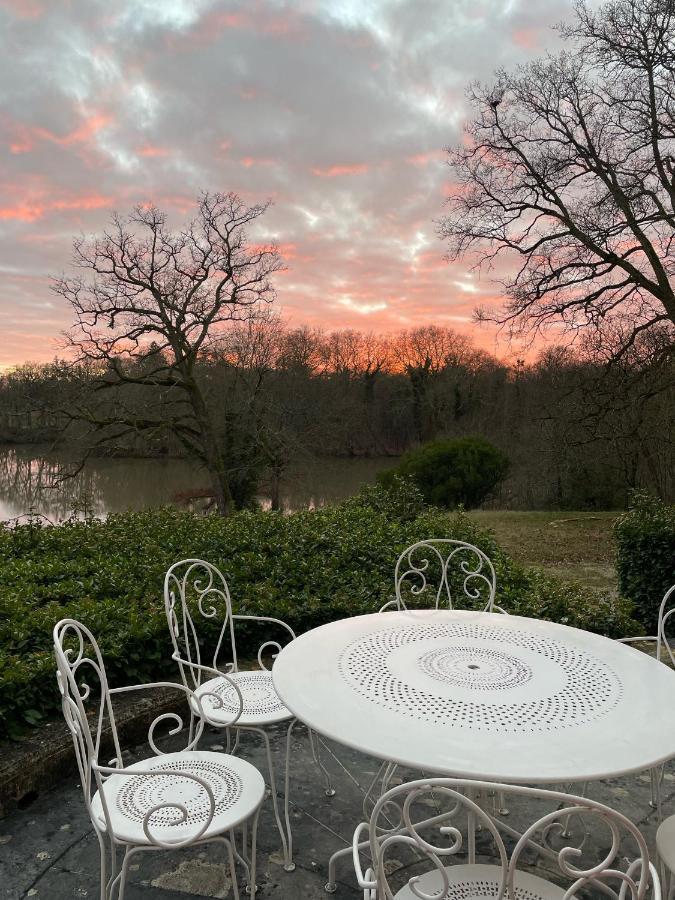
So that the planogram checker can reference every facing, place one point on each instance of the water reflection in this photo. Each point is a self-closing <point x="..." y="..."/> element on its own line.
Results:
<point x="31" y="481"/>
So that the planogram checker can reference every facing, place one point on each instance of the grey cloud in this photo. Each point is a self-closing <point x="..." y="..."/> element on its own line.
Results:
<point x="259" y="97"/>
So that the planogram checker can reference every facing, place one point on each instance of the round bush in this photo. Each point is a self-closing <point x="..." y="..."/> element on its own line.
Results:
<point x="453" y="472"/>
<point x="645" y="537"/>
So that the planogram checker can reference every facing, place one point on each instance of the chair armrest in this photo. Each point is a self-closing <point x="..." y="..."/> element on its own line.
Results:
<point x="211" y="671"/>
<point x="107" y="771"/>
<point x="366" y="881"/>
<point x="390" y="604"/>
<point x="192" y="696"/>
<point x="656" y="882"/>
<point x="643" y="639"/>
<point x="193" y="701"/>
<point x="283" y="624"/>
<point x="267" y="644"/>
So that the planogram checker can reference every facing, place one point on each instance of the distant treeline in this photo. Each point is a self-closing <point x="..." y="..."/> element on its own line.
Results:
<point x="580" y="433"/>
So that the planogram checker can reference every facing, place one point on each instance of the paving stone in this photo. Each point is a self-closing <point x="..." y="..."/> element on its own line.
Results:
<point x="50" y="852"/>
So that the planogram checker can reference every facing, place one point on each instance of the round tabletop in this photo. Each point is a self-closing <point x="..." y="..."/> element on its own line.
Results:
<point x="481" y="695"/>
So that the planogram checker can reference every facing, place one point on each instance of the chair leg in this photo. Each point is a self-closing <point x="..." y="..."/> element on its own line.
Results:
<point x="314" y="746"/>
<point x="108" y="870"/>
<point x="289" y="865"/>
<point x="104" y="869"/>
<point x="233" y="870"/>
<point x="254" y="851"/>
<point x="241" y="857"/>
<point x="122" y="876"/>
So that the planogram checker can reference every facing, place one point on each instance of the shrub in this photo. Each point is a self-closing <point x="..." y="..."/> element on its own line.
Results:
<point x="453" y="472"/>
<point x="645" y="537"/>
<point x="398" y="497"/>
<point x="307" y="568"/>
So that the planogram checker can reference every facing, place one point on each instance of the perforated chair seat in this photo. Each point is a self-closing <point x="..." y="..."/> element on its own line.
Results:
<point x="262" y="704"/>
<point x="238" y="789"/>
<point x="480" y="882"/>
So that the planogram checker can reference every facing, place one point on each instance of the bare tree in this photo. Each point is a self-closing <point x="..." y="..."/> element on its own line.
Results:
<point x="425" y="353"/>
<point x="565" y="188"/>
<point x="152" y="306"/>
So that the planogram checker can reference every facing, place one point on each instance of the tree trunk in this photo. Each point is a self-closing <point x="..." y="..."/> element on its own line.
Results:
<point x="213" y="456"/>
<point x="275" y="488"/>
<point x="418" y="384"/>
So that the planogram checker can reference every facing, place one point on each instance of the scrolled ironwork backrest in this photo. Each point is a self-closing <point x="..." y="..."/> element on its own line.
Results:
<point x="83" y="685"/>
<point x="664" y="650"/>
<point x="456" y="573"/>
<point x="431" y="817"/>
<point x="196" y="594"/>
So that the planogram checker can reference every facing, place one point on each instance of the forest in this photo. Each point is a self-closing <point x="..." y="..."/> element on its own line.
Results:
<point x="579" y="433"/>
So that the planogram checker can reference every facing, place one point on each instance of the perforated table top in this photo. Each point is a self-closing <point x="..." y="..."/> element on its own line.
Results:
<point x="482" y="695"/>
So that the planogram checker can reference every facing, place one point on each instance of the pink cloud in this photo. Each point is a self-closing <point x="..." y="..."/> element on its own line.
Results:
<point x="527" y="38"/>
<point x="23" y="9"/>
<point x="148" y="150"/>
<point x="249" y="161"/>
<point x="36" y="207"/>
<point x="24" y="137"/>
<point x="423" y="159"/>
<point x="340" y="170"/>
<point x="261" y="20"/>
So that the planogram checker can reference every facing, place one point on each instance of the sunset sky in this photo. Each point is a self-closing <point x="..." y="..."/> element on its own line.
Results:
<point x="337" y="110"/>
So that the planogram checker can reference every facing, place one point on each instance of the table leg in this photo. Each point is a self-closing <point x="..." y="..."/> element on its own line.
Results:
<point x="471" y="830"/>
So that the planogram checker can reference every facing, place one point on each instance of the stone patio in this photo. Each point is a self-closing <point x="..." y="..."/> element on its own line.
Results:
<point x="49" y="851"/>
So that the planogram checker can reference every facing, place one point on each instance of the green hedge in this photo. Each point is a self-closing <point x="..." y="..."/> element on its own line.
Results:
<point x="307" y="568"/>
<point x="645" y="537"/>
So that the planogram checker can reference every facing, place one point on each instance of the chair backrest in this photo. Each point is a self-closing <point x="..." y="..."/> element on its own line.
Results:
<point x="667" y="609"/>
<point x="84" y="689"/>
<point x="664" y="651"/>
<point x="598" y="851"/>
<point x="455" y="573"/>
<point x="197" y="602"/>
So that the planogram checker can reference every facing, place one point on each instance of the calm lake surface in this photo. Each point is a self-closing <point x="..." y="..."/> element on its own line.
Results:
<point x="28" y="476"/>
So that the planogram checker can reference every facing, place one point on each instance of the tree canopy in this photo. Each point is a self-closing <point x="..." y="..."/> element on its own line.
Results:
<point x="151" y="303"/>
<point x="565" y="185"/>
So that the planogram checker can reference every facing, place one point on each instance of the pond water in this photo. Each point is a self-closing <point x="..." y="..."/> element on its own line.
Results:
<point x="29" y="481"/>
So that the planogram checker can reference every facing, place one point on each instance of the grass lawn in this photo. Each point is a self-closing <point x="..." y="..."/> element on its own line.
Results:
<point x="576" y="546"/>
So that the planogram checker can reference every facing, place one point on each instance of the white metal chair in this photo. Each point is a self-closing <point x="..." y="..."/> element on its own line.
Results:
<point x="416" y="842"/>
<point x="196" y="592"/>
<point x="164" y="802"/>
<point x="666" y="654"/>
<point x="665" y="835"/>
<point x="447" y="570"/>
<point x="664" y="650"/>
<point x="665" y="848"/>
<point x="429" y="573"/>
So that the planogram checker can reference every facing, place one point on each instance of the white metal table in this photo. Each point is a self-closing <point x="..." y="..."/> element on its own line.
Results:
<point x="481" y="695"/>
